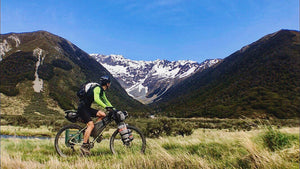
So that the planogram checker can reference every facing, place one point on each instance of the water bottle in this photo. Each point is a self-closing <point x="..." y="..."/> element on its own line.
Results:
<point x="130" y="135"/>
<point x="125" y="133"/>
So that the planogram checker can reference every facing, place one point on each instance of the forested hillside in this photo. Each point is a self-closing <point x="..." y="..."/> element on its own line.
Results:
<point x="44" y="71"/>
<point x="260" y="80"/>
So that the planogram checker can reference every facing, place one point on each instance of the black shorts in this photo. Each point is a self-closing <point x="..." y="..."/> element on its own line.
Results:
<point x="86" y="112"/>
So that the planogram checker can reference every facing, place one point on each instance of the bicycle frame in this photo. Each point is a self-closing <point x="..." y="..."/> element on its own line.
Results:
<point x="106" y="121"/>
<point x="69" y="138"/>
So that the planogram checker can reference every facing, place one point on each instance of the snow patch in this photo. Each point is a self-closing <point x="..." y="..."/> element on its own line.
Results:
<point x="188" y="73"/>
<point x="164" y="71"/>
<point x="38" y="83"/>
<point x="138" y="87"/>
<point x="16" y="39"/>
<point x="116" y="70"/>
<point x="4" y="47"/>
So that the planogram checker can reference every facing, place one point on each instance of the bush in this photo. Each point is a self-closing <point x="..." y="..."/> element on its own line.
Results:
<point x="276" y="140"/>
<point x="17" y="120"/>
<point x="167" y="127"/>
<point x="183" y="129"/>
<point x="45" y="71"/>
<point x="9" y="90"/>
<point x="154" y="129"/>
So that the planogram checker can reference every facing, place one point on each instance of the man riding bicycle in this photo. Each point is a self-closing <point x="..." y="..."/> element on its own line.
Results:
<point x="96" y="93"/>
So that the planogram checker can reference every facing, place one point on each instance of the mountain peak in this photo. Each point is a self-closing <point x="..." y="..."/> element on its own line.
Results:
<point x="148" y="80"/>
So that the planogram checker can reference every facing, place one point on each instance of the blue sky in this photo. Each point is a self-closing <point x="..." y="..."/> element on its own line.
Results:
<point x="153" y="29"/>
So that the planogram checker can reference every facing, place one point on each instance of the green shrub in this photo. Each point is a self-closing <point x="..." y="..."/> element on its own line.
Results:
<point x="11" y="73"/>
<point x="154" y="129"/>
<point x="276" y="140"/>
<point x="183" y="129"/>
<point x="45" y="71"/>
<point x="17" y="120"/>
<point x="9" y="90"/>
<point x="166" y="126"/>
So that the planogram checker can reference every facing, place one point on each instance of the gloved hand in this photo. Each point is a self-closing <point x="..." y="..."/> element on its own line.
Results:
<point x="109" y="108"/>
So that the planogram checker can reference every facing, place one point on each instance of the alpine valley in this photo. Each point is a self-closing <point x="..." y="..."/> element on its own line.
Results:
<point x="149" y="80"/>
<point x="40" y="73"/>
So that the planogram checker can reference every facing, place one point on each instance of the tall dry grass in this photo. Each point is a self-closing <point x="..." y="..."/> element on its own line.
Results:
<point x="12" y="105"/>
<point x="203" y="149"/>
<point x="26" y="131"/>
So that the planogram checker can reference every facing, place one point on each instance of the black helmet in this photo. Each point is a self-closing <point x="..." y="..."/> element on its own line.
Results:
<point x="104" y="80"/>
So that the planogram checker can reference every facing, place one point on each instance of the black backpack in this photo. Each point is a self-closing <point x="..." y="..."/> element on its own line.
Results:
<point x="84" y="88"/>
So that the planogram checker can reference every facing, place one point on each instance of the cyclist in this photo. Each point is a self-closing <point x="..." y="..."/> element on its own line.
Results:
<point x="94" y="94"/>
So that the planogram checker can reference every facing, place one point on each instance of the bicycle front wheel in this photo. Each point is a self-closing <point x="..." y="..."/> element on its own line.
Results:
<point x="138" y="144"/>
<point x="68" y="140"/>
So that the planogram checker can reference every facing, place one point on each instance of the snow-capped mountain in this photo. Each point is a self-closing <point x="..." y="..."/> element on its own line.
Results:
<point x="148" y="80"/>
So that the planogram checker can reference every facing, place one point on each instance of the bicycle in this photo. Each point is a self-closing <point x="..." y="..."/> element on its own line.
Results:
<point x="69" y="138"/>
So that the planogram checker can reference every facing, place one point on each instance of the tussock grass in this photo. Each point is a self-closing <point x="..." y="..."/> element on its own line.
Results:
<point x="25" y="131"/>
<point x="13" y="105"/>
<point x="205" y="148"/>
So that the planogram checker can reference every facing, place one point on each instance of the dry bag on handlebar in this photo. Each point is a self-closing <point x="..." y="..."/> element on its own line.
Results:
<point x="121" y="116"/>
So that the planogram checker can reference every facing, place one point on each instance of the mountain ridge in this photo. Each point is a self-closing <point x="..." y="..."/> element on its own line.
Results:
<point x="260" y="80"/>
<point x="254" y="81"/>
<point x="49" y="66"/>
<point x="148" y="80"/>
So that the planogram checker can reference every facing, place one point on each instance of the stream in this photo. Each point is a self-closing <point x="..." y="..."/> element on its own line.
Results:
<point x="24" y="137"/>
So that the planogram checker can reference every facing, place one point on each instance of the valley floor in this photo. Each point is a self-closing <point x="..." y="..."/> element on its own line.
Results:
<point x="205" y="148"/>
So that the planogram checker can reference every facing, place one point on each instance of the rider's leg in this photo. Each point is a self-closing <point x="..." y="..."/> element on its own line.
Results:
<point x="85" y="147"/>
<point x="100" y="114"/>
<point x="90" y="127"/>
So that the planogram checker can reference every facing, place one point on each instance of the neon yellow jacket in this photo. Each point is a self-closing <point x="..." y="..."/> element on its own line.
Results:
<point x="101" y="99"/>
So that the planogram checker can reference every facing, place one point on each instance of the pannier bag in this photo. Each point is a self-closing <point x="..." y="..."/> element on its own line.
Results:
<point x="125" y="133"/>
<point x="72" y="115"/>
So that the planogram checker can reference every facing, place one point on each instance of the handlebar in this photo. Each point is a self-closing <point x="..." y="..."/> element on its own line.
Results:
<point x="109" y="108"/>
<point x="116" y="114"/>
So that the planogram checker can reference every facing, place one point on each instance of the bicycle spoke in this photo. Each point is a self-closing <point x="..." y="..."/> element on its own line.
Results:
<point x="137" y="145"/>
<point x="68" y="141"/>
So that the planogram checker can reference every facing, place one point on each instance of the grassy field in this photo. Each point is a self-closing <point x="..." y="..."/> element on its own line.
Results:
<point x="42" y="131"/>
<point x="205" y="148"/>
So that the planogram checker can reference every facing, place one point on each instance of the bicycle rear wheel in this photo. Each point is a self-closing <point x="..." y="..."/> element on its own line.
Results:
<point x="138" y="144"/>
<point x="68" y="140"/>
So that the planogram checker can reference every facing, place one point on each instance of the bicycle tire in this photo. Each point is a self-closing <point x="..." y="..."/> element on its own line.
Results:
<point x="62" y="146"/>
<point x="138" y="144"/>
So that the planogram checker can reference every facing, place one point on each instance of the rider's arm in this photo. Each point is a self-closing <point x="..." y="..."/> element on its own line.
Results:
<point x="97" y="99"/>
<point x="106" y="101"/>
